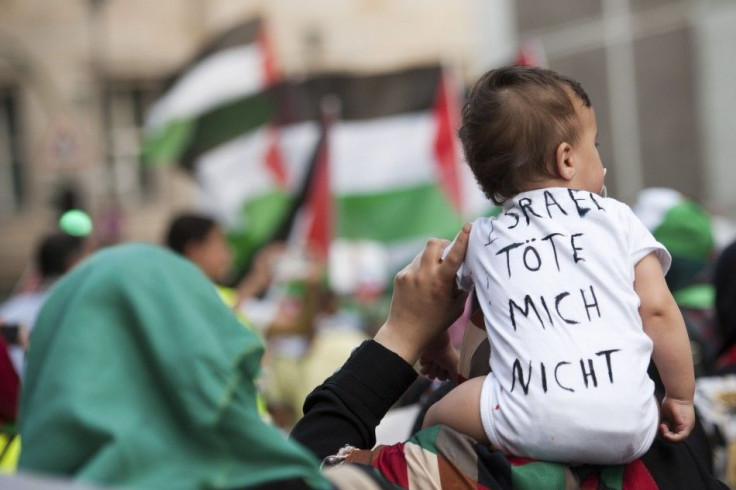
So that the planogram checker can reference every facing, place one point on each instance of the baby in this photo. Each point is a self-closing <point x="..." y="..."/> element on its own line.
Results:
<point x="571" y="286"/>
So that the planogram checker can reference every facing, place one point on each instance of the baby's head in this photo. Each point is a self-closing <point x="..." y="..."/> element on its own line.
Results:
<point x="525" y="128"/>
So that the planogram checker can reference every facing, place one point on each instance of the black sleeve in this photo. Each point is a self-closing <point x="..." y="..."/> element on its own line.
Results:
<point x="348" y="406"/>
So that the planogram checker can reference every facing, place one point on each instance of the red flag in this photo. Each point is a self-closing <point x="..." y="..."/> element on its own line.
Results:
<point x="445" y="143"/>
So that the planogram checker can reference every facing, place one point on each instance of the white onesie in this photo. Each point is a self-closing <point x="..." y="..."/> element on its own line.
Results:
<point x="554" y="275"/>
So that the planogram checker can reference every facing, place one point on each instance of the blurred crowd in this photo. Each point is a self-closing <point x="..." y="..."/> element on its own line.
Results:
<point x="309" y="330"/>
<point x="284" y="297"/>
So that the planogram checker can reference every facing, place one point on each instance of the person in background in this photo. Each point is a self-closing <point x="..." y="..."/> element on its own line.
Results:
<point x="56" y="254"/>
<point x="715" y="393"/>
<point x="200" y="239"/>
<point x="724" y="280"/>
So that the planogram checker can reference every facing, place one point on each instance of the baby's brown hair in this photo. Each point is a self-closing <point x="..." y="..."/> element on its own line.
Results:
<point x="512" y="123"/>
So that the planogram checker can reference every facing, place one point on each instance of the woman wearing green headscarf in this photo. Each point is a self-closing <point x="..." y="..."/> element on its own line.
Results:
<point x="139" y="376"/>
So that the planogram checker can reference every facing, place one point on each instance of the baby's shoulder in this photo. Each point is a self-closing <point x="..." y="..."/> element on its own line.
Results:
<point x="610" y="202"/>
<point x="617" y="210"/>
<point x="482" y="228"/>
<point x="484" y="221"/>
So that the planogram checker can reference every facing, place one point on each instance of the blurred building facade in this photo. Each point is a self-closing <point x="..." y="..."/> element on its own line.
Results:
<point x="661" y="83"/>
<point x="76" y="78"/>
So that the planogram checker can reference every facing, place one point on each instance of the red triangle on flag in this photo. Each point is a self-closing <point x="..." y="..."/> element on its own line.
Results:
<point x="319" y="229"/>
<point x="274" y="159"/>
<point x="445" y="144"/>
<point x="270" y="68"/>
<point x="318" y="200"/>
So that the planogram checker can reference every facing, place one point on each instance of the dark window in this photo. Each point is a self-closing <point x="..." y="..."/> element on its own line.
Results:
<point x="12" y="189"/>
<point x="125" y="106"/>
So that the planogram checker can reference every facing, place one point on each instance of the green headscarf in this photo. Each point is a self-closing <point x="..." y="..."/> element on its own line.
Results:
<point x="139" y="376"/>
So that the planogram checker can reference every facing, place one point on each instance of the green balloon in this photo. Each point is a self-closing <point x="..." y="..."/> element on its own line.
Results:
<point x="76" y="222"/>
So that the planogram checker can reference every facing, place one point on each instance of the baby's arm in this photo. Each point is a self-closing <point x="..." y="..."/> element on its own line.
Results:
<point x="663" y="323"/>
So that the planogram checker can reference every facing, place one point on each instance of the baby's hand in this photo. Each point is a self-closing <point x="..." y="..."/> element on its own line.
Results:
<point x="678" y="419"/>
<point x="440" y="363"/>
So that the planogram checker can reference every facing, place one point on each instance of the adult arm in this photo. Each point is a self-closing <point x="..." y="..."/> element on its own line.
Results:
<point x="348" y="406"/>
<point x="664" y="324"/>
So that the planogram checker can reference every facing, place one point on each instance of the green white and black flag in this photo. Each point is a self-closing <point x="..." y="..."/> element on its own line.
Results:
<point x="395" y="170"/>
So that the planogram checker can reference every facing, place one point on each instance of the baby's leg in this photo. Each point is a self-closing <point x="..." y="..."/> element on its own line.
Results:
<point x="460" y="410"/>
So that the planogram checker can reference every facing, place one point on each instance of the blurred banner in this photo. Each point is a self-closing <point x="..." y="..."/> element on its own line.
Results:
<point x="250" y="137"/>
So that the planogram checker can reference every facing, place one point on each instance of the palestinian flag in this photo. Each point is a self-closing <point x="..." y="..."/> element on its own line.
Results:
<point x="215" y="98"/>
<point x="248" y="136"/>
<point x="216" y="119"/>
<point x="393" y="177"/>
<point x="395" y="172"/>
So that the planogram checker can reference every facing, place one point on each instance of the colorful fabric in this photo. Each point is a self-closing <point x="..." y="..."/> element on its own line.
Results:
<point x="440" y="457"/>
<point x="139" y="376"/>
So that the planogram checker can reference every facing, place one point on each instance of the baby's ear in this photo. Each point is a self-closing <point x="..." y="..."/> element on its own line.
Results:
<point x="564" y="161"/>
